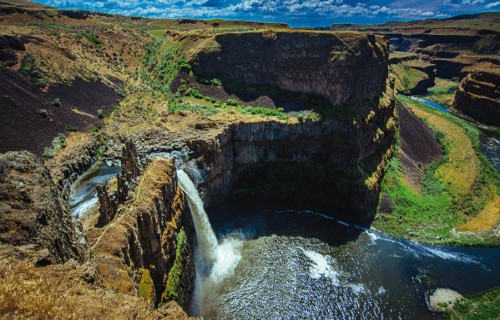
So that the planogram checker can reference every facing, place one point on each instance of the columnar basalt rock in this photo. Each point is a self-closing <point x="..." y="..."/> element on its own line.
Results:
<point x="144" y="235"/>
<point x="345" y="68"/>
<point x="109" y="203"/>
<point x="478" y="95"/>
<point x="330" y="165"/>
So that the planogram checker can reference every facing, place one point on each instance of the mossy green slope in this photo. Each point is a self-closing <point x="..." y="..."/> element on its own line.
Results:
<point x="456" y="189"/>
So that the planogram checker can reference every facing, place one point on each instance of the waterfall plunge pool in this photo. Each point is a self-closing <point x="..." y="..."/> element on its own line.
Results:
<point x="283" y="264"/>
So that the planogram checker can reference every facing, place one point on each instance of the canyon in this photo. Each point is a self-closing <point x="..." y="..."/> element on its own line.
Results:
<point x="464" y="49"/>
<point x="147" y="123"/>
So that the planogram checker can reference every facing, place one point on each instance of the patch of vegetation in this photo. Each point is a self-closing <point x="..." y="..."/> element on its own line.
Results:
<point x="71" y="128"/>
<point x="406" y="77"/>
<point x="264" y="112"/>
<point x="58" y="143"/>
<point x="163" y="64"/>
<point x="31" y="70"/>
<point x="174" y="277"/>
<point x="443" y="92"/>
<point x="484" y="305"/>
<point x="203" y="110"/>
<point x="454" y="188"/>
<point x="93" y="39"/>
<point x="231" y="102"/>
<point x="146" y="286"/>
<point x="213" y="82"/>
<point x="57" y="103"/>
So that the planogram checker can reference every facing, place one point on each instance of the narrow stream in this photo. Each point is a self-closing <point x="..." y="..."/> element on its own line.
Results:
<point x="302" y="265"/>
<point x="431" y="104"/>
<point x="83" y="192"/>
<point x="490" y="147"/>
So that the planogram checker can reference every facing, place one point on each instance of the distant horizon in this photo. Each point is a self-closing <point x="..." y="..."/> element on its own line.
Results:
<point x="296" y="13"/>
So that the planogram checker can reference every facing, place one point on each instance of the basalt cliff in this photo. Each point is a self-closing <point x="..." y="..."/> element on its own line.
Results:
<point x="299" y="117"/>
<point x="462" y="49"/>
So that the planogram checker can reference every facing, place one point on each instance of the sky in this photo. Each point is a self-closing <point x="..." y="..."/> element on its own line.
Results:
<point x="297" y="13"/>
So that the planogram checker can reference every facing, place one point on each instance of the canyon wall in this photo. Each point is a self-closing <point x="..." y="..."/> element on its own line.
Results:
<point x="35" y="222"/>
<point x="146" y="237"/>
<point x="345" y="68"/>
<point x="143" y="252"/>
<point x="329" y="165"/>
<point x="478" y="95"/>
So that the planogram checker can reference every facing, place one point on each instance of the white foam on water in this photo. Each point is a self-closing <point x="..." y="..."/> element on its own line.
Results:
<point x="322" y="266"/>
<point x="418" y="250"/>
<point x="381" y="290"/>
<point x="227" y="257"/>
<point x="357" y="288"/>
<point x="84" y="207"/>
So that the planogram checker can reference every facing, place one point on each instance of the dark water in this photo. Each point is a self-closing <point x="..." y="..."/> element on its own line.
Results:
<point x="490" y="147"/>
<point x="84" y="195"/>
<point x="300" y="265"/>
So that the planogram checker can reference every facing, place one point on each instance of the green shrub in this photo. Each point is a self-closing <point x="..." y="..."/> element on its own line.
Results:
<point x="43" y="112"/>
<point x="264" y="112"/>
<point x="93" y="39"/>
<point x="58" y="143"/>
<point x="194" y="93"/>
<point x="183" y="64"/>
<point x="71" y="128"/>
<point x="57" y="102"/>
<point x="231" y="102"/>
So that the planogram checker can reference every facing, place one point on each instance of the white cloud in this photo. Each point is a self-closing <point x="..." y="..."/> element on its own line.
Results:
<point x="277" y="10"/>
<point x="492" y="5"/>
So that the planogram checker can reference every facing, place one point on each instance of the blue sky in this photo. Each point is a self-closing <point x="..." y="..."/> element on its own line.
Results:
<point x="293" y="12"/>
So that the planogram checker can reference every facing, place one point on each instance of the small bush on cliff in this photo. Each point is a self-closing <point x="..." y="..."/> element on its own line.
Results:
<point x="57" y="103"/>
<point x="58" y="143"/>
<point x="194" y="93"/>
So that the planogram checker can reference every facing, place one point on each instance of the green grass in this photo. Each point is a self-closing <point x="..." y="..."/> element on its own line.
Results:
<point x="146" y="285"/>
<point x="174" y="277"/>
<point x="430" y="215"/>
<point x="406" y="77"/>
<point x="263" y="112"/>
<point x="163" y="63"/>
<point x="443" y="92"/>
<point x="481" y="306"/>
<point x="71" y="128"/>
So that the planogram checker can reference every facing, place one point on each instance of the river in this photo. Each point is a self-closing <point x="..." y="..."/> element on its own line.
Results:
<point x="302" y="265"/>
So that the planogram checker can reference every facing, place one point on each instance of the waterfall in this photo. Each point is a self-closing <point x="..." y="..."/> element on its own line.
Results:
<point x="207" y="241"/>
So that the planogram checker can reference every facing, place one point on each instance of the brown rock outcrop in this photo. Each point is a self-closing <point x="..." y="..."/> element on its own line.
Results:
<point x="109" y="203"/>
<point x="144" y="235"/>
<point x="35" y="222"/>
<point x="479" y="95"/>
